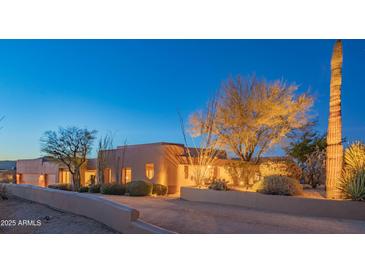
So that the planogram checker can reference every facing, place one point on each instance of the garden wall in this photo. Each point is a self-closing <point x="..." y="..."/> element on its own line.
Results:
<point x="281" y="204"/>
<point x="118" y="217"/>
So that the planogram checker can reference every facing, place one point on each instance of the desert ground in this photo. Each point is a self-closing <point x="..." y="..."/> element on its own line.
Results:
<point x="19" y="216"/>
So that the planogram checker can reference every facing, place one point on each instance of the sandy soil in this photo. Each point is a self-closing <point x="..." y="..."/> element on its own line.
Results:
<point x="19" y="216"/>
<point x="193" y="217"/>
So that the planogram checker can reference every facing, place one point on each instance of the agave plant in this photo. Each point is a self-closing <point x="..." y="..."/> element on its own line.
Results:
<point x="352" y="182"/>
<point x="355" y="157"/>
<point x="353" y="185"/>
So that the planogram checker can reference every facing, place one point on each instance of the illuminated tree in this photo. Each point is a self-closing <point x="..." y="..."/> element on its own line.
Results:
<point x="204" y="151"/>
<point x="252" y="116"/>
<point x="334" y="158"/>
<point x="69" y="146"/>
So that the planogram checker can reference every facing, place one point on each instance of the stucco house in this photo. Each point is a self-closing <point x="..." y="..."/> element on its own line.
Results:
<point x="163" y="163"/>
<point x="44" y="171"/>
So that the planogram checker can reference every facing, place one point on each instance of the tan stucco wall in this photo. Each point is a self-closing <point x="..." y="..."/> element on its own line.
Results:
<point x="32" y="169"/>
<point x="162" y="156"/>
<point x="276" y="203"/>
<point x="166" y="157"/>
<point x="222" y="174"/>
<point x="119" y="217"/>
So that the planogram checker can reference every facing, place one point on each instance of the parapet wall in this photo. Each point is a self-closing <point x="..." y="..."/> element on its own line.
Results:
<point x="116" y="216"/>
<point x="339" y="209"/>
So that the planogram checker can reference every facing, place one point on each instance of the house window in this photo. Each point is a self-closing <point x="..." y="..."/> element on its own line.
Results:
<point x="126" y="175"/>
<point x="19" y="178"/>
<point x="150" y="171"/>
<point x="64" y="176"/>
<point x="186" y="172"/>
<point x="107" y="175"/>
<point x="90" y="176"/>
<point x="42" y="180"/>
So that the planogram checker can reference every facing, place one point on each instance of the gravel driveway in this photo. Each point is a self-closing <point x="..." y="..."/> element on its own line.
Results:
<point x="195" y="217"/>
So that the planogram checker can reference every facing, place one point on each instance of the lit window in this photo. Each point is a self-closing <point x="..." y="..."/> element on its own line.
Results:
<point x="126" y="175"/>
<point x="64" y="176"/>
<point x="42" y="180"/>
<point x="19" y="178"/>
<point x="150" y="171"/>
<point x="90" y="176"/>
<point x="186" y="172"/>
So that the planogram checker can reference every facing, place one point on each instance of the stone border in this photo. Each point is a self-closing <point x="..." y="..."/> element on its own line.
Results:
<point x="339" y="209"/>
<point x="119" y="217"/>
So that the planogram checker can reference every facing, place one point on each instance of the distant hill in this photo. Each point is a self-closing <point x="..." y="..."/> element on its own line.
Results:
<point x="7" y="165"/>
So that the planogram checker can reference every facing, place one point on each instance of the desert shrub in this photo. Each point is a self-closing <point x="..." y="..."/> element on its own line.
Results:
<point x="314" y="168"/>
<point x="279" y="185"/>
<point x="242" y="173"/>
<point x="139" y="188"/>
<point x="112" y="189"/>
<point x="353" y="186"/>
<point x="159" y="189"/>
<point x="84" y="189"/>
<point x="280" y="167"/>
<point x="219" y="184"/>
<point x="66" y="187"/>
<point x="3" y="192"/>
<point x="94" y="188"/>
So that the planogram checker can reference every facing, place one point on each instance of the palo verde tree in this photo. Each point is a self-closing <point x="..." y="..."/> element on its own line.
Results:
<point x="252" y="116"/>
<point x="69" y="146"/>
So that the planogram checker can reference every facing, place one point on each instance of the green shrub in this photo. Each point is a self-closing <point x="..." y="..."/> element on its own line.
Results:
<point x="139" y="188"/>
<point x="84" y="189"/>
<point x="279" y="185"/>
<point x="353" y="185"/>
<point x="159" y="189"/>
<point x="219" y="184"/>
<point x="94" y="188"/>
<point x="112" y="189"/>
<point x="66" y="187"/>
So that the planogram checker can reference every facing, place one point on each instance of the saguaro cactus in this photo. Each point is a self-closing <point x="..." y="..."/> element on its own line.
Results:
<point x="334" y="135"/>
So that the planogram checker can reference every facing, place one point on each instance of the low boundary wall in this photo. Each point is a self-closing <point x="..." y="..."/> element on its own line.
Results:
<point x="116" y="216"/>
<point x="341" y="209"/>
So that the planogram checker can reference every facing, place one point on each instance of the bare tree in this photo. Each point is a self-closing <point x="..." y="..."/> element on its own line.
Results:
<point x="69" y="146"/>
<point x="252" y="116"/>
<point x="105" y="146"/>
<point x="204" y="152"/>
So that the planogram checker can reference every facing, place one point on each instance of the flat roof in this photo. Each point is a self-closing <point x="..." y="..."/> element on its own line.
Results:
<point x="151" y="144"/>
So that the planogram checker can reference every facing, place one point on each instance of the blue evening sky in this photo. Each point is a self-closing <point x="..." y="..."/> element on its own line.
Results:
<point x="133" y="88"/>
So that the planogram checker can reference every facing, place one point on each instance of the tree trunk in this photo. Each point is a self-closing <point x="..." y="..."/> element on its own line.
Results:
<point x="334" y="134"/>
<point x="76" y="180"/>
